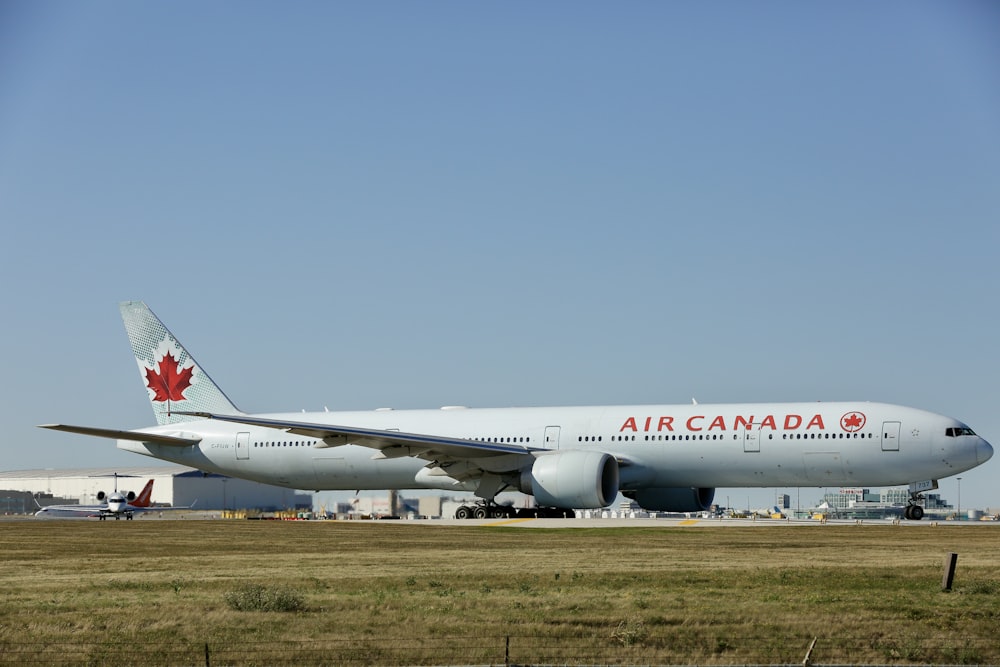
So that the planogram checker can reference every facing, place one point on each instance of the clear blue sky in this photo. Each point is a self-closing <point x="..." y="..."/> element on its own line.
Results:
<point x="359" y="205"/>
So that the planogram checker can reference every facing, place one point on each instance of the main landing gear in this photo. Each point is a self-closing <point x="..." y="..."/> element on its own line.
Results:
<point x="486" y="510"/>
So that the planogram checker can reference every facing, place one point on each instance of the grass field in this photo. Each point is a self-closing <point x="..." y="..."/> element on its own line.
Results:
<point x="169" y="592"/>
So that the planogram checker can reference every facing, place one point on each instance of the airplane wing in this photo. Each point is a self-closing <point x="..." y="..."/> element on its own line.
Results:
<point x="390" y="444"/>
<point x="116" y="434"/>
<point x="70" y="510"/>
<point x="154" y="508"/>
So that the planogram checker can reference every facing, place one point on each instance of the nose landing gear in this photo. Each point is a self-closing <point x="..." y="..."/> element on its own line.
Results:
<point x="914" y="508"/>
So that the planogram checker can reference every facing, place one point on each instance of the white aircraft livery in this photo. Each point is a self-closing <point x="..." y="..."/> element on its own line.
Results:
<point x="117" y="504"/>
<point x="665" y="457"/>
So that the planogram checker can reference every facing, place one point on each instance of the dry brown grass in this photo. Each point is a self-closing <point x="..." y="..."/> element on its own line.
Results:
<point x="80" y="592"/>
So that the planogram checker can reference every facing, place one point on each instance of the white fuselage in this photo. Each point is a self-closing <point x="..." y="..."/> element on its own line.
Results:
<point x="735" y="445"/>
<point x="117" y="504"/>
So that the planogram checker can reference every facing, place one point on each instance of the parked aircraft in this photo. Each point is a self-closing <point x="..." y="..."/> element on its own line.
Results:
<point x="116" y="504"/>
<point x="665" y="457"/>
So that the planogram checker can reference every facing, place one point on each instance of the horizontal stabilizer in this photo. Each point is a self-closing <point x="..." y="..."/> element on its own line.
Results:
<point x="117" y="434"/>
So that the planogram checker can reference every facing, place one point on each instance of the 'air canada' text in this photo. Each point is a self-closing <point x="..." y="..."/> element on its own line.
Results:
<point x="703" y="423"/>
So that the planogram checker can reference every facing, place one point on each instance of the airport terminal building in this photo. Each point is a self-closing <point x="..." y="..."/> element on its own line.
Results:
<point x="172" y="485"/>
<point x="853" y="503"/>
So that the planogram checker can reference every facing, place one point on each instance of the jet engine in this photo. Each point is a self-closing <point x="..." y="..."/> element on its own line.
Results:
<point x="673" y="499"/>
<point x="102" y="496"/>
<point x="572" y="479"/>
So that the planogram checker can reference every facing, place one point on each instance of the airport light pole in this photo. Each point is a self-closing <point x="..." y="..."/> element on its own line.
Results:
<point x="959" y="517"/>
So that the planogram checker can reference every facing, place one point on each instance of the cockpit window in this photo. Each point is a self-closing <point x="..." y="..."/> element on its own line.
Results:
<point x="957" y="431"/>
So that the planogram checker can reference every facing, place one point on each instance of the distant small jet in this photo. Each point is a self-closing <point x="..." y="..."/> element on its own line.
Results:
<point x="117" y="504"/>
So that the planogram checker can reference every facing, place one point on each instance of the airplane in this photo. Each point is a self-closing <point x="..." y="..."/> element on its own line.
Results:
<point x="116" y="504"/>
<point x="668" y="458"/>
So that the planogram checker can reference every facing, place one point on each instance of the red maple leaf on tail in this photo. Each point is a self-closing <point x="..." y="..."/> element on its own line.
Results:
<point x="169" y="384"/>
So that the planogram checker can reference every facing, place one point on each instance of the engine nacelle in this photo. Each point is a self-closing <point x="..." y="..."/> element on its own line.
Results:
<point x="572" y="479"/>
<point x="101" y="495"/>
<point x="673" y="499"/>
<point x="131" y="496"/>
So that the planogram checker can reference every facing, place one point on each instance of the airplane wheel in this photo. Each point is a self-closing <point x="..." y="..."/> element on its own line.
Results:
<point x="481" y="513"/>
<point x="916" y="512"/>
<point x="463" y="512"/>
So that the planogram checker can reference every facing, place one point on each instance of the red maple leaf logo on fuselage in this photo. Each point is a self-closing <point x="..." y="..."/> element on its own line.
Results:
<point x="853" y="422"/>
<point x="169" y="384"/>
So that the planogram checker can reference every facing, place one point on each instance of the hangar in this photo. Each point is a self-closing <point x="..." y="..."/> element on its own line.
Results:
<point x="172" y="485"/>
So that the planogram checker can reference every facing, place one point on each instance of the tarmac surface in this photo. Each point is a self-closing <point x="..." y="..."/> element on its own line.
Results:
<point x="689" y="523"/>
<point x="621" y="522"/>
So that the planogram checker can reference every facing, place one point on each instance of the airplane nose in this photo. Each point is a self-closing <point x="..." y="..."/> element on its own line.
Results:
<point x="984" y="451"/>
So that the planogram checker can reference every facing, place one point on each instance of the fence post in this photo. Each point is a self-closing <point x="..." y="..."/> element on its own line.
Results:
<point x="506" y="653"/>
<point x="949" y="571"/>
<point x="809" y="653"/>
<point x="207" y="663"/>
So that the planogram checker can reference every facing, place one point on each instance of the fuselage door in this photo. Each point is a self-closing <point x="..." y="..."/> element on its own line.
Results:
<point x="890" y="436"/>
<point x="551" y="437"/>
<point x="751" y="438"/>
<point x="242" y="445"/>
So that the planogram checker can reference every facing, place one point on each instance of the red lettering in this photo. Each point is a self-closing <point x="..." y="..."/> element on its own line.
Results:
<point x="792" y="422"/>
<point x="693" y="423"/>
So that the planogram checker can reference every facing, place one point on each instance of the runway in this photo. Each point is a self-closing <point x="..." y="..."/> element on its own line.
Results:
<point x="578" y="523"/>
<point x="691" y="523"/>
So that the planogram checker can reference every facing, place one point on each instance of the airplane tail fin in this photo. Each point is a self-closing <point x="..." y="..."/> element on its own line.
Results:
<point x="173" y="380"/>
<point x="144" y="497"/>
